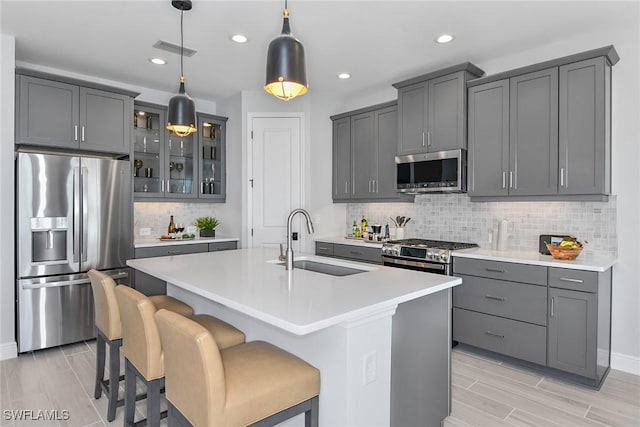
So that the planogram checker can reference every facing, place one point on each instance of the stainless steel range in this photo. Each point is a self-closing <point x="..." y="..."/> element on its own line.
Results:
<point x="432" y="256"/>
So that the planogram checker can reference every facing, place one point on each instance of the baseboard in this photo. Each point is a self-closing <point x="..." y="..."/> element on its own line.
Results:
<point x="8" y="350"/>
<point x="626" y="363"/>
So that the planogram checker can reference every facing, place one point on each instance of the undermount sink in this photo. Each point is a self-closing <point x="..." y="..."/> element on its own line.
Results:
<point x="325" y="268"/>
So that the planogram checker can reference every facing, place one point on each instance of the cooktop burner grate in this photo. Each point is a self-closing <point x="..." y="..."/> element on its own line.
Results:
<point x="434" y="244"/>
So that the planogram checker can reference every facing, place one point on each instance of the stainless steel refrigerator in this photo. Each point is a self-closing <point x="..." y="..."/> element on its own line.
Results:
<point x="72" y="214"/>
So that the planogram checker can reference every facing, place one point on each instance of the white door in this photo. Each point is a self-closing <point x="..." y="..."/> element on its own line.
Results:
<point x="276" y="176"/>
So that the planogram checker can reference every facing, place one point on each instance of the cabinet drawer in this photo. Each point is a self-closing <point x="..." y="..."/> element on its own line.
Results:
<point x="323" y="248"/>
<point x="222" y="246"/>
<point x="510" y="337"/>
<point x="171" y="250"/>
<point x="513" y="300"/>
<point x="525" y="273"/>
<point x="576" y="280"/>
<point x="358" y="253"/>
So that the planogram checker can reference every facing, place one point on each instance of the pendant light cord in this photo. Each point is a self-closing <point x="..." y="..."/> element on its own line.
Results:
<point x="182" y="43"/>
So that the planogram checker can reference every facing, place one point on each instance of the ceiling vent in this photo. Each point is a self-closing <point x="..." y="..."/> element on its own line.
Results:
<point x="173" y="48"/>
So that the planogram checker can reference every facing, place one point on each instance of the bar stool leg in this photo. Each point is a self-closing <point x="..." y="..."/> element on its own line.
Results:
<point x="311" y="416"/>
<point x="100" y="356"/>
<point x="129" y="393"/>
<point x="153" y="402"/>
<point x="114" y="377"/>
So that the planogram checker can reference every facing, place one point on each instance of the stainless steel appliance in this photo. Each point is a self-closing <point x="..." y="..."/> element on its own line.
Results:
<point x="72" y="214"/>
<point x="432" y="256"/>
<point x="438" y="172"/>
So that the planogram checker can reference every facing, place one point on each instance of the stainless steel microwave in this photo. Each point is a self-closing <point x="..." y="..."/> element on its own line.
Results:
<point x="438" y="172"/>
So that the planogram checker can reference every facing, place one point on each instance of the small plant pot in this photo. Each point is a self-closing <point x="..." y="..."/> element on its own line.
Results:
<point x="207" y="233"/>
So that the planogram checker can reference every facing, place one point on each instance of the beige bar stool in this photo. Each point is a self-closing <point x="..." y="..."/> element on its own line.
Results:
<point x="109" y="333"/>
<point x="255" y="384"/>
<point x="143" y="353"/>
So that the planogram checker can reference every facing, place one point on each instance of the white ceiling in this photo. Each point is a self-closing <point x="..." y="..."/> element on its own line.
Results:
<point x="378" y="42"/>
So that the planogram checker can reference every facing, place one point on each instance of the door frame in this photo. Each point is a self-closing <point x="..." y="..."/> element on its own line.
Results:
<point x="248" y="209"/>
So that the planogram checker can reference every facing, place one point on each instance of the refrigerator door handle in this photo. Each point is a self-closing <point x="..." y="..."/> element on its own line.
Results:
<point x="85" y="186"/>
<point x="76" y="213"/>
<point x="60" y="283"/>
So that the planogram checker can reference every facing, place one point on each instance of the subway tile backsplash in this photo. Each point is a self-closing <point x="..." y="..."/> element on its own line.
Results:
<point x="454" y="217"/>
<point x="156" y="215"/>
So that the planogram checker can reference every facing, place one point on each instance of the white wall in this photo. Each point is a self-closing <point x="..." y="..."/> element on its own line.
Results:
<point x="625" y="36"/>
<point x="8" y="347"/>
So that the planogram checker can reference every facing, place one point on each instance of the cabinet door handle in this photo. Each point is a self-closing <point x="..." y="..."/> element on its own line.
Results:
<point x="168" y="187"/>
<point x="162" y="186"/>
<point x="567" y="279"/>
<point x="428" y="138"/>
<point x="75" y="132"/>
<point x="510" y="179"/>
<point x="369" y="186"/>
<point x="495" y="270"/>
<point x="552" y="308"/>
<point x="346" y="187"/>
<point x="375" y="185"/>
<point x="504" y="179"/>
<point x="82" y="133"/>
<point x="423" y="139"/>
<point x="494" y="298"/>
<point x="561" y="177"/>
<point x="493" y="334"/>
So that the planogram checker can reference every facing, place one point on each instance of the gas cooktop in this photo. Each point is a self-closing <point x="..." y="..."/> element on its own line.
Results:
<point x="435" y="244"/>
<point x="438" y="251"/>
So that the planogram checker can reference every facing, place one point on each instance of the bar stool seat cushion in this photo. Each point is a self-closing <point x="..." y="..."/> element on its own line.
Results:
<point x="225" y="335"/>
<point x="171" y="304"/>
<point x="262" y="379"/>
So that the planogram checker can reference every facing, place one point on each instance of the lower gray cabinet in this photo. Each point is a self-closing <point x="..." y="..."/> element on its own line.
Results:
<point x="150" y="285"/>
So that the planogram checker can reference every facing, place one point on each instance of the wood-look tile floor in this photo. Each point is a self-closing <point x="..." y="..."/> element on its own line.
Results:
<point x="485" y="393"/>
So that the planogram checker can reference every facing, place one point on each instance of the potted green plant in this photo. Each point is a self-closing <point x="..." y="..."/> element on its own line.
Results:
<point x="207" y="226"/>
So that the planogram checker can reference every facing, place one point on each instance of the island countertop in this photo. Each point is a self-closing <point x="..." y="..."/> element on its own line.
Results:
<point x="299" y="301"/>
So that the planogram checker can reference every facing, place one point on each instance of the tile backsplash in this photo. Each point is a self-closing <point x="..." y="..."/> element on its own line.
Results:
<point x="454" y="217"/>
<point x="156" y="215"/>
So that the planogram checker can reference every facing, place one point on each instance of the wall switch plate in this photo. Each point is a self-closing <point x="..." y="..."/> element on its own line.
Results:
<point x="145" y="231"/>
<point x="370" y="367"/>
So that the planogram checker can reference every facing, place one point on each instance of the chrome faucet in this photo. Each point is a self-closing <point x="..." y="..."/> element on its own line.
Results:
<point x="289" y="253"/>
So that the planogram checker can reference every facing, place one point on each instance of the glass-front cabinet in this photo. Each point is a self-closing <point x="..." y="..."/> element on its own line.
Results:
<point x="169" y="167"/>
<point x="211" y="135"/>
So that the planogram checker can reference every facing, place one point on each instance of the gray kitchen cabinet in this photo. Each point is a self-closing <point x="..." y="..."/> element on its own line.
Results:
<point x="585" y="127"/>
<point x="533" y="137"/>
<point x="150" y="285"/>
<point x="555" y="119"/>
<point x="579" y="323"/>
<point x="364" y="146"/>
<point x="341" y="159"/>
<point x="212" y="154"/>
<point x="65" y="115"/>
<point x="432" y="110"/>
<point x="351" y="252"/>
<point x="488" y="142"/>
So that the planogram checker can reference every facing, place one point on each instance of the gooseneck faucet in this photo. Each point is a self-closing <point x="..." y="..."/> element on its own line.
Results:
<point x="289" y="253"/>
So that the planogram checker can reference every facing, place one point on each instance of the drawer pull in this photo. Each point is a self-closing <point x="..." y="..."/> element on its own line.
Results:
<point x="356" y="253"/>
<point x="494" y="298"/>
<point x="174" y="252"/>
<point x="493" y="334"/>
<point x="323" y="248"/>
<point x="495" y="270"/>
<point x="552" y="310"/>
<point x="568" y="279"/>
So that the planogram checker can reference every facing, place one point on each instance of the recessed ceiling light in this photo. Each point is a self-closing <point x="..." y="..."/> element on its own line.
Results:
<point x="344" y="76"/>
<point x="239" y="38"/>
<point x="445" y="38"/>
<point x="157" y="61"/>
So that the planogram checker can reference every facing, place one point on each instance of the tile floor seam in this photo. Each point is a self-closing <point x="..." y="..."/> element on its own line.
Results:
<point x="471" y="385"/>
<point x="587" y="411"/>
<point x="509" y="414"/>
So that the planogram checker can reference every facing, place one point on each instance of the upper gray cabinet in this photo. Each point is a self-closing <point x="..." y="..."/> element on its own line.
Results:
<point x="543" y="132"/>
<point x="364" y="147"/>
<point x="432" y="110"/>
<point x="212" y="150"/>
<point x="68" y="115"/>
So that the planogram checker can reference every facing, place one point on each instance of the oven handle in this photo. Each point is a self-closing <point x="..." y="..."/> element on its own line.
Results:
<point x="427" y="265"/>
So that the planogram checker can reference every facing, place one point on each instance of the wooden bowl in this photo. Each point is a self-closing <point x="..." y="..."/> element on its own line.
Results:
<point x="558" y="252"/>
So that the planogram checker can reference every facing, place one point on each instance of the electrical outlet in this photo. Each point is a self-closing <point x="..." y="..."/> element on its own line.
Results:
<point x="370" y="367"/>
<point x="145" y="231"/>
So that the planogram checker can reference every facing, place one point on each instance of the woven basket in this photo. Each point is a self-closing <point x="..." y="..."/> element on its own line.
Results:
<point x="558" y="252"/>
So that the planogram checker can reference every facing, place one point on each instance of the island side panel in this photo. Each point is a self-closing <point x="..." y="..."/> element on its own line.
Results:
<point x="340" y="352"/>
<point x="421" y="361"/>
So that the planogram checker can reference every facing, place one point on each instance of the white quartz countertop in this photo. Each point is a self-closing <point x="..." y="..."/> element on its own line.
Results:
<point x="345" y="241"/>
<point x="149" y="243"/>
<point x="582" y="262"/>
<point x="299" y="301"/>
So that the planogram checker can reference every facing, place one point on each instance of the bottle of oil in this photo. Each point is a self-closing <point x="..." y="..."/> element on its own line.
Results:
<point x="172" y="226"/>
<point x="363" y="225"/>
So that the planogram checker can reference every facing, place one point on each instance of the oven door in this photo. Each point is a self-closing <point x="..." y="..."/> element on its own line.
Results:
<point x="425" y="266"/>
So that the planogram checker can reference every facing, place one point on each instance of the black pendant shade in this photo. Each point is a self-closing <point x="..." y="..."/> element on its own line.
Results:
<point x="181" y="115"/>
<point x="286" y="70"/>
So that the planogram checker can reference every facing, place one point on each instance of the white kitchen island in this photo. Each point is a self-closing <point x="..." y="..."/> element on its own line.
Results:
<point x="360" y="330"/>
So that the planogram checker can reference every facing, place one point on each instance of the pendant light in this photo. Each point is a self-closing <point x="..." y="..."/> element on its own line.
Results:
<point x="181" y="117"/>
<point x="286" y="71"/>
